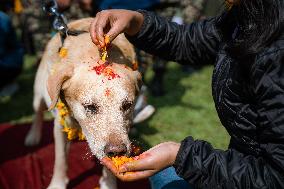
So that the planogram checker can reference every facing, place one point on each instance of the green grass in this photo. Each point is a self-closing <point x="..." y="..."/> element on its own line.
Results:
<point x="186" y="109"/>
<point x="18" y="108"/>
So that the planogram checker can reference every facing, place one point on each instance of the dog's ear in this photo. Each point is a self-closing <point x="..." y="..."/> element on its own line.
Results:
<point x="62" y="73"/>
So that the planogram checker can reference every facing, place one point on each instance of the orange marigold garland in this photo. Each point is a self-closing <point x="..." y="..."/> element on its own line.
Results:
<point x="72" y="132"/>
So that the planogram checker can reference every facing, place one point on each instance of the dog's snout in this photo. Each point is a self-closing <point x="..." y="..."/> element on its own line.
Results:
<point x="112" y="150"/>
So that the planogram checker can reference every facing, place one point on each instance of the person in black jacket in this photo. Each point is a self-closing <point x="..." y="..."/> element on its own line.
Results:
<point x="246" y="45"/>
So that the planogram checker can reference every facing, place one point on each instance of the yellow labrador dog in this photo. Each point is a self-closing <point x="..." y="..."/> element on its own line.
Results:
<point x="100" y="97"/>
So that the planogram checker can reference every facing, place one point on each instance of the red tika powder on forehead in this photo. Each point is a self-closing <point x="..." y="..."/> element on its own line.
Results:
<point x="106" y="70"/>
<point x="107" y="92"/>
<point x="99" y="69"/>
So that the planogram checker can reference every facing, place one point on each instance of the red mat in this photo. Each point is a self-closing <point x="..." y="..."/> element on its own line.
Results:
<point x="31" y="168"/>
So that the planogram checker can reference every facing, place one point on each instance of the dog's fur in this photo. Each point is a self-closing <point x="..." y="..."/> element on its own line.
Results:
<point x="105" y="119"/>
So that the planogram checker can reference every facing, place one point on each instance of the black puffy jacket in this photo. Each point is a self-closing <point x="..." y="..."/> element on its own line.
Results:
<point x="249" y="102"/>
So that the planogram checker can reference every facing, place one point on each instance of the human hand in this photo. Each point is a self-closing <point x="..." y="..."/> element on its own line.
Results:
<point x="146" y="164"/>
<point x="113" y="22"/>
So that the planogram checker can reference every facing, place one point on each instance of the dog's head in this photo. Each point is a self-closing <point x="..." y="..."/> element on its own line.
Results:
<point x="101" y="98"/>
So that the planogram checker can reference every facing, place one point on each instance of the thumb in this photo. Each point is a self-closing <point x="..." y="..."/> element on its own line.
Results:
<point x="144" y="162"/>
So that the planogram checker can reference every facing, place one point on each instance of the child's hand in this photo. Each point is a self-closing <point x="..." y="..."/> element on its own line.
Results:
<point x="112" y="23"/>
<point x="146" y="164"/>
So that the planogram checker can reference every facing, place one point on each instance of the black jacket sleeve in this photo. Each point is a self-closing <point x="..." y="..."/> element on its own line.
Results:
<point x="203" y="166"/>
<point x="196" y="43"/>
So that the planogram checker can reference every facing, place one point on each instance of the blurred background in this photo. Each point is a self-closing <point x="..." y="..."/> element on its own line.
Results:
<point x="181" y="95"/>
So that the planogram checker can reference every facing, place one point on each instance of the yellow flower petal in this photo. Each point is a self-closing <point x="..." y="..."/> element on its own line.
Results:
<point x="18" y="7"/>
<point x="63" y="52"/>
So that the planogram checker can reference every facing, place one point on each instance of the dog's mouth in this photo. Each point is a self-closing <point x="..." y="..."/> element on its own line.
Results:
<point x="118" y="151"/>
<point x="136" y="149"/>
<point x="119" y="160"/>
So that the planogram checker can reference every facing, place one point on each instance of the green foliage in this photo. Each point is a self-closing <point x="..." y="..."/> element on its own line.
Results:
<point x="18" y="108"/>
<point x="186" y="109"/>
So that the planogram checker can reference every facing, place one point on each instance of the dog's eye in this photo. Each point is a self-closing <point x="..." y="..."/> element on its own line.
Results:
<point x="91" y="108"/>
<point x="126" y="105"/>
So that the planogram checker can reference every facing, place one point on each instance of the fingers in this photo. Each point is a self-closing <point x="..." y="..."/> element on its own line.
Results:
<point x="126" y="176"/>
<point x="109" y="22"/>
<point x="97" y="28"/>
<point x="101" y="24"/>
<point x="114" y="31"/>
<point x="132" y="176"/>
<point x="145" y="162"/>
<point x="109" y="164"/>
<point x="93" y="31"/>
<point x="137" y="165"/>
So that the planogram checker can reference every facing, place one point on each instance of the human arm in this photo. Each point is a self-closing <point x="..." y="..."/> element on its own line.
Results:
<point x="196" y="43"/>
<point x="202" y="165"/>
<point x="11" y="52"/>
<point x="250" y="166"/>
<point x="147" y="164"/>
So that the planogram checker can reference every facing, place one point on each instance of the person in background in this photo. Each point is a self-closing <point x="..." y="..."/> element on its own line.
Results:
<point x="35" y="28"/>
<point x="246" y="46"/>
<point x="74" y="10"/>
<point x="99" y="5"/>
<point x="36" y="25"/>
<point x="11" y="56"/>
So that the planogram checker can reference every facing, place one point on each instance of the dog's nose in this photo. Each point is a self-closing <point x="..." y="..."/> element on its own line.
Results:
<point x="112" y="150"/>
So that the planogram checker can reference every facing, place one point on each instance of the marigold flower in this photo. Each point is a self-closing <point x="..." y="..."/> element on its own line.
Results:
<point x="120" y="160"/>
<point x="72" y="132"/>
<point x="104" y="49"/>
<point x="18" y="7"/>
<point x="63" y="52"/>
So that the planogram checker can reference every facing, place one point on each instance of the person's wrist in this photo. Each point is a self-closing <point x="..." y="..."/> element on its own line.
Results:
<point x="135" y="23"/>
<point x="174" y="148"/>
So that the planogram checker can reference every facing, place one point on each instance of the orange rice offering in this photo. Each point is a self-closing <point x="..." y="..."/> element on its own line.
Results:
<point x="120" y="160"/>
